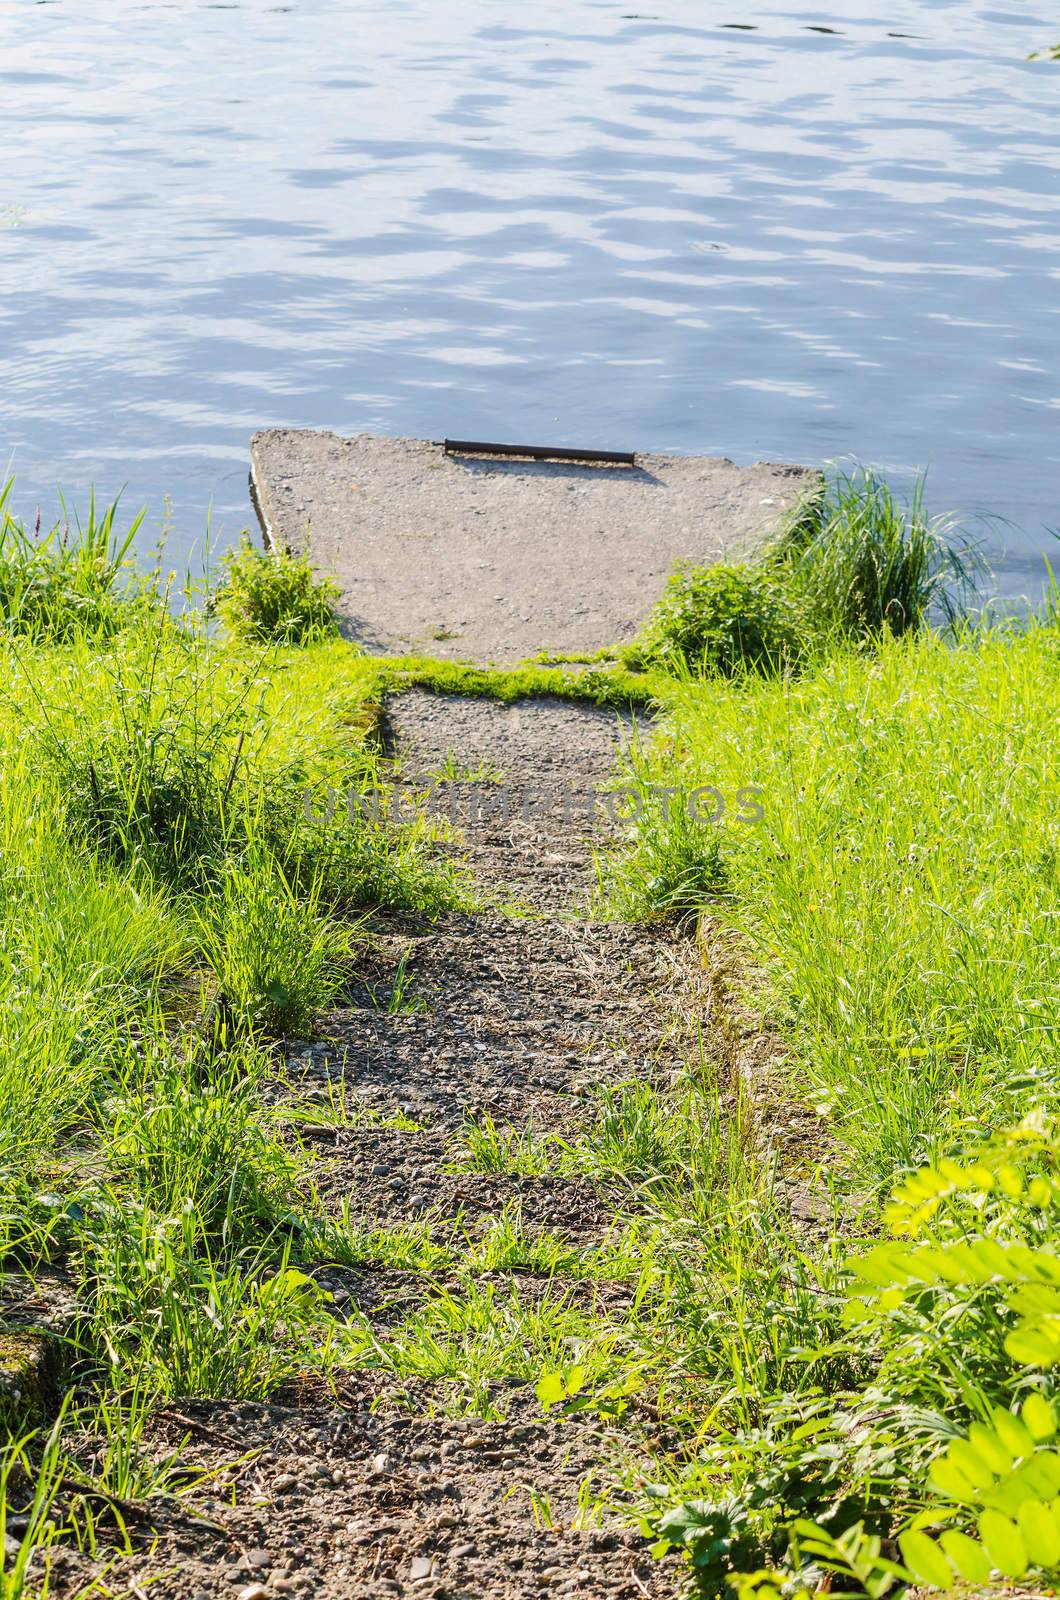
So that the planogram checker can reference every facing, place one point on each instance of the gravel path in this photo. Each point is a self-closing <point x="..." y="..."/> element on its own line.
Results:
<point x="522" y="782"/>
<point x="382" y="1488"/>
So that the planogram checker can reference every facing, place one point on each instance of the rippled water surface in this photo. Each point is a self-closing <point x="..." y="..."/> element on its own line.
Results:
<point x="780" y="233"/>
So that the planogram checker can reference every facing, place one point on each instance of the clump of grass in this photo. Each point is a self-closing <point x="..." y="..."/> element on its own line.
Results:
<point x="485" y="1147"/>
<point x="451" y="769"/>
<point x="509" y="1246"/>
<point x="149" y="777"/>
<point x="278" y="960"/>
<point x="188" y="1134"/>
<point x="354" y="857"/>
<point x="853" y="561"/>
<point x="193" y="754"/>
<point x="82" y="954"/>
<point x="68" y="582"/>
<point x="1049" y="611"/>
<point x="671" y="862"/>
<point x="166" y="1312"/>
<point x="118" y="1455"/>
<point x="489" y="1335"/>
<point x="274" y="598"/>
<point x="351" y="1242"/>
<point x="863" y="562"/>
<point x="721" y="619"/>
<point x="30" y="1483"/>
<point x="672" y="1147"/>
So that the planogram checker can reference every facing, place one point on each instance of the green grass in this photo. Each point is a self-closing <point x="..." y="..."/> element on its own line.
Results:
<point x="69" y="581"/>
<point x="488" y="1336"/>
<point x="176" y="896"/>
<point x="509" y="1246"/>
<point x="851" y="562"/>
<point x="678" y="1149"/>
<point x="189" y="1134"/>
<point x="859" y="561"/>
<point x="676" y="868"/>
<point x="899" y="895"/>
<point x="892" y="915"/>
<point x="30" y="1479"/>
<point x="170" y="1313"/>
<point x="171" y="902"/>
<point x="275" y="598"/>
<point x="485" y="1147"/>
<point x="278" y="960"/>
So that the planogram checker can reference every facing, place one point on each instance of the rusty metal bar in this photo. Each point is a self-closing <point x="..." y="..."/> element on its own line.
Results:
<point x="538" y="452"/>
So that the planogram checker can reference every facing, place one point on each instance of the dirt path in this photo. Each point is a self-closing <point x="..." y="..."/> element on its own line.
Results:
<point x="386" y="1489"/>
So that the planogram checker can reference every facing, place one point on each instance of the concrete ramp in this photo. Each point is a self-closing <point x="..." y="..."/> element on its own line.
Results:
<point x="492" y="558"/>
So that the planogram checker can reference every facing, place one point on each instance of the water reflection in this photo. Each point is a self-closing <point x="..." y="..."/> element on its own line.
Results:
<point x="796" y="235"/>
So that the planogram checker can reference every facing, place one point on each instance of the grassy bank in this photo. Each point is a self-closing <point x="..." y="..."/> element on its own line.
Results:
<point x="898" y="894"/>
<point x="891" y="917"/>
<point x="858" y="807"/>
<point x="852" y="785"/>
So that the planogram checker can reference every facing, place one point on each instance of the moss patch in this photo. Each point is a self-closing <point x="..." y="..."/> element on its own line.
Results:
<point x="609" y="686"/>
<point x="30" y="1369"/>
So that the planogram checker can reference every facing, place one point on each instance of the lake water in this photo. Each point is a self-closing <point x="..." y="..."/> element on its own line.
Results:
<point x="765" y="233"/>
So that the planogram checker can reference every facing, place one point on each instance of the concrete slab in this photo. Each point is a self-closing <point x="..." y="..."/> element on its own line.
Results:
<point x="495" y="559"/>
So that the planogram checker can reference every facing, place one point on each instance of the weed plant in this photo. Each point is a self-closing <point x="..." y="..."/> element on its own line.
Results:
<point x="274" y="598"/>
<point x="732" y="618"/>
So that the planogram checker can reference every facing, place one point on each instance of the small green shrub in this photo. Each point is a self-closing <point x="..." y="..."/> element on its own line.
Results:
<point x="274" y="598"/>
<point x="721" y="619"/>
<point x="970" y="1291"/>
<point x="968" y="1296"/>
